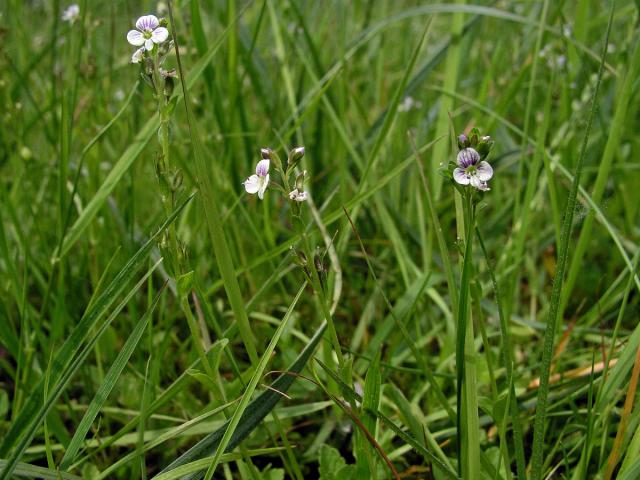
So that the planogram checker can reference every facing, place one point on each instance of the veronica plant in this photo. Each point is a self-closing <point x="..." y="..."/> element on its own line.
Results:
<point x="153" y="38"/>
<point x="469" y="174"/>
<point x="154" y="42"/>
<point x="291" y="186"/>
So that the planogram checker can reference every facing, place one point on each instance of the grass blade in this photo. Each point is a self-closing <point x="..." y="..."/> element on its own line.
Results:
<point x="213" y="217"/>
<point x="554" y="307"/>
<point x="109" y="382"/>
<point x="255" y="412"/>
<point x="23" y="428"/>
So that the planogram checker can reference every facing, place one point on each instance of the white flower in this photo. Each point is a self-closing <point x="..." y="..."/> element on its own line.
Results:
<point x="138" y="55"/>
<point x="71" y="14"/>
<point x="298" y="196"/>
<point x="409" y="103"/>
<point x="472" y="171"/>
<point x="148" y="32"/>
<point x="259" y="182"/>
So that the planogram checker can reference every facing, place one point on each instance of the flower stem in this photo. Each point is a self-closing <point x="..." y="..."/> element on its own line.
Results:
<point x="314" y="276"/>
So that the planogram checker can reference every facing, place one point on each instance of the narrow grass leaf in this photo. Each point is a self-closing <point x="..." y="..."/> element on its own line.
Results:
<point x="107" y="385"/>
<point x="554" y="307"/>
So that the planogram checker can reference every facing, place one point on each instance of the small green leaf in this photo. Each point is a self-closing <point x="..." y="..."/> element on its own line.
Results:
<point x="202" y="378"/>
<point x="333" y="466"/>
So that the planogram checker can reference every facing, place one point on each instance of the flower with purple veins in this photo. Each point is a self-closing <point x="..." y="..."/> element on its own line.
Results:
<point x="259" y="182"/>
<point x="148" y="32"/>
<point x="472" y="171"/>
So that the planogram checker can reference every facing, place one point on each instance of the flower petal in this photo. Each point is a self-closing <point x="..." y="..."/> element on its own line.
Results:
<point x="148" y="44"/>
<point x="138" y="55"/>
<point x="484" y="171"/>
<point x="134" y="37"/>
<point x="262" y="169"/>
<point x="460" y="176"/>
<point x="475" y="182"/>
<point x="467" y="157"/>
<point x="147" y="22"/>
<point x="252" y="184"/>
<point x="159" y="35"/>
<point x="264" y="183"/>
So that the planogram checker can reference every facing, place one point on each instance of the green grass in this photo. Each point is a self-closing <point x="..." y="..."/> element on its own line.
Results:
<point x="381" y="330"/>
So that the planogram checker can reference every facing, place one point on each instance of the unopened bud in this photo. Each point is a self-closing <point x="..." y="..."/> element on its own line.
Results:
<point x="300" y="180"/>
<point x="265" y="153"/>
<point x="463" y="141"/>
<point x="295" y="155"/>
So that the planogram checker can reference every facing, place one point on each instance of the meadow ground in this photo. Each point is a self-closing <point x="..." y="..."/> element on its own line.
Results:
<point x="425" y="214"/>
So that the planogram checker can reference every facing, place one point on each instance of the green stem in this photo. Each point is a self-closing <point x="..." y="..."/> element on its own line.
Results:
<point x="467" y="402"/>
<point x="314" y="279"/>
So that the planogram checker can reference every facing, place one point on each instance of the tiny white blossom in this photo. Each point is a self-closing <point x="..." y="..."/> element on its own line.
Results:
<point x="409" y="103"/>
<point x="298" y="196"/>
<point x="472" y="171"/>
<point x="148" y="32"/>
<point x="259" y="182"/>
<point x="71" y="13"/>
<point x="138" y="55"/>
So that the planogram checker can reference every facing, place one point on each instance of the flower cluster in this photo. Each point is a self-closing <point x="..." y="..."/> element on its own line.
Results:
<point x="471" y="168"/>
<point x="258" y="182"/>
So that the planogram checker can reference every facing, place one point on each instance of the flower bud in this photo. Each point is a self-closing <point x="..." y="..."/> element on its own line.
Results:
<point x="319" y="264"/>
<point x="463" y="141"/>
<point x="300" y="180"/>
<point x="299" y="257"/>
<point x="265" y="153"/>
<point x="295" y="155"/>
